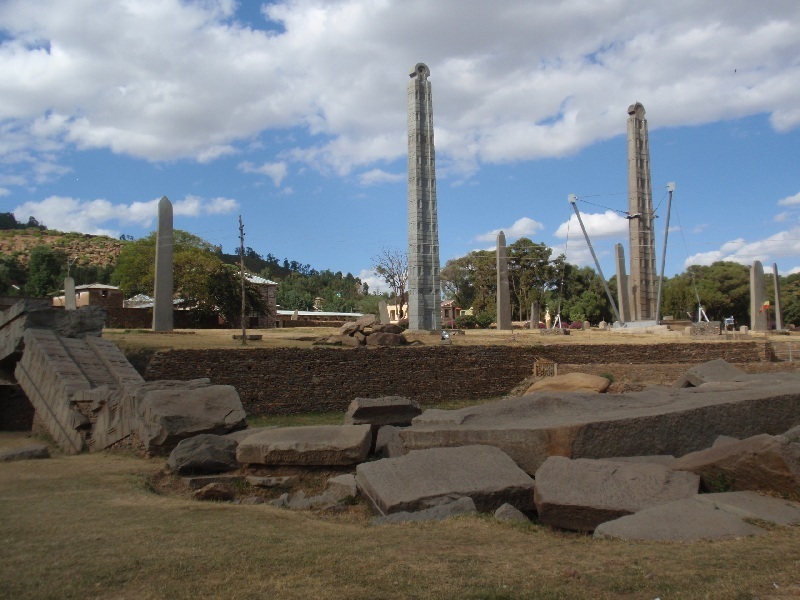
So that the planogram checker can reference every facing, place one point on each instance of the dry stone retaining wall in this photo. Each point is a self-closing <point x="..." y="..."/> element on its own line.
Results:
<point x="291" y="380"/>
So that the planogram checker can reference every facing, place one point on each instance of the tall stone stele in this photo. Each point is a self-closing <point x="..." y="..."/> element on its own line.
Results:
<point x="164" y="280"/>
<point x="758" y="296"/>
<point x="424" y="298"/>
<point x="503" y="294"/>
<point x="642" y="290"/>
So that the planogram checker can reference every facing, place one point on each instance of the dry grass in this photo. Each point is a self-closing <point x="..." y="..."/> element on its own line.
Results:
<point x="87" y="527"/>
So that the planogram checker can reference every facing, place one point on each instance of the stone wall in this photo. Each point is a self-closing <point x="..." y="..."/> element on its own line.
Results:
<point x="291" y="380"/>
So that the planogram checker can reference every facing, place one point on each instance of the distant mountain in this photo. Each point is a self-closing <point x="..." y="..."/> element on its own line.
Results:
<point x="96" y="250"/>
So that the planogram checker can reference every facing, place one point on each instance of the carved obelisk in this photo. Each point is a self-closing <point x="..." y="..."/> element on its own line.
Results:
<point x="622" y="284"/>
<point x="424" y="298"/>
<point x="164" y="278"/>
<point x="776" y="285"/>
<point x="758" y="296"/>
<point x="503" y="294"/>
<point x="69" y="294"/>
<point x="642" y="278"/>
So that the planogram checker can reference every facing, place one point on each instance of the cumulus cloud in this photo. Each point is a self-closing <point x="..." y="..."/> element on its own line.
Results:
<point x="521" y="227"/>
<point x="276" y="171"/>
<point x="790" y="200"/>
<point x="782" y="244"/>
<point x="102" y="217"/>
<point x="598" y="225"/>
<point x="373" y="280"/>
<point x="378" y="176"/>
<point x="169" y="79"/>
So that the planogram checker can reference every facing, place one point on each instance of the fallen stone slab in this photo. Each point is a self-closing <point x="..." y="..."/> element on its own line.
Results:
<point x="752" y="505"/>
<point x="717" y="370"/>
<point x="680" y="521"/>
<point x="319" y="445"/>
<point x="205" y="453"/>
<point x="659" y="459"/>
<point x="273" y="482"/>
<point x="762" y="462"/>
<point x="387" y="410"/>
<point x="461" y="506"/>
<point x="201" y="481"/>
<point x="507" y="512"/>
<point x="219" y="492"/>
<point x="425" y="478"/>
<point x="387" y="328"/>
<point x="571" y="382"/>
<point x="385" y="339"/>
<point x="580" y="494"/>
<point x="243" y="434"/>
<point x="581" y="425"/>
<point x="31" y="451"/>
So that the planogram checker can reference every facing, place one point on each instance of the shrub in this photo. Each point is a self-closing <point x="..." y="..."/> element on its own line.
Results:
<point x="484" y="320"/>
<point x="466" y="322"/>
<point x="576" y="325"/>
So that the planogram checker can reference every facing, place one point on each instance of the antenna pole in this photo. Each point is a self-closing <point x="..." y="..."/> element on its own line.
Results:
<point x="573" y="200"/>
<point x="670" y="188"/>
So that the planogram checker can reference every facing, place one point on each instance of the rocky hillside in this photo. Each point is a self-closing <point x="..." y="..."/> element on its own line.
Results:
<point x="90" y="249"/>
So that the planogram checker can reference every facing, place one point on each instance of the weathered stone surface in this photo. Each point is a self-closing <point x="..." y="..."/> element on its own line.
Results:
<point x="793" y="435"/>
<point x="389" y="410"/>
<point x="680" y="521"/>
<point x="171" y="411"/>
<point x="273" y="482"/>
<point x="312" y="445"/>
<point x="342" y="487"/>
<point x="205" y="453"/>
<point x="387" y="328"/>
<point x="722" y="440"/>
<point x="388" y="443"/>
<point x="580" y="494"/>
<point x="201" y="481"/>
<point x="580" y="425"/>
<point x="659" y="459"/>
<point x="243" y="434"/>
<point x="366" y="321"/>
<point x="349" y="328"/>
<point x="762" y="462"/>
<point x="571" y="382"/>
<point x="711" y="371"/>
<point x="460" y="506"/>
<point x="385" y="339"/>
<point x="344" y="340"/>
<point x="752" y="505"/>
<point x="220" y="492"/>
<point x="428" y="477"/>
<point x="507" y="512"/>
<point x="25" y="453"/>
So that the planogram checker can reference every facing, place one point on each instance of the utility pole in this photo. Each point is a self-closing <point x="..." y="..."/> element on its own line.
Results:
<point x="241" y="273"/>
<point x="670" y="189"/>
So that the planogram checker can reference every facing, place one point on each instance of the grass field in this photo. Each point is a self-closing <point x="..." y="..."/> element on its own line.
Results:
<point x="88" y="526"/>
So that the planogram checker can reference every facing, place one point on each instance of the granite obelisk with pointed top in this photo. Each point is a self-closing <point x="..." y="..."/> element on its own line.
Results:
<point x="758" y="296"/>
<point x="641" y="236"/>
<point x="164" y="278"/>
<point x="424" y="298"/>
<point x="503" y="294"/>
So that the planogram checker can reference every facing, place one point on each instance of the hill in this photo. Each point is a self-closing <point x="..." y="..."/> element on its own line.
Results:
<point x="90" y="250"/>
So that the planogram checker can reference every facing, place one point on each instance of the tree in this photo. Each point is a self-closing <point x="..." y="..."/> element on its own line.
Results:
<point x="46" y="271"/>
<point x="392" y="266"/>
<point x="12" y="276"/>
<point x="532" y="275"/>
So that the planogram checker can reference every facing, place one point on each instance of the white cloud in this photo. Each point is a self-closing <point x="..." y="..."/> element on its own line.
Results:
<point x="102" y="217"/>
<point x="377" y="176"/>
<point x="521" y="227"/>
<point x="790" y="200"/>
<point x="781" y="244"/>
<point x="4" y="191"/>
<point x="373" y="280"/>
<point x="598" y="225"/>
<point x="276" y="171"/>
<point x="167" y="79"/>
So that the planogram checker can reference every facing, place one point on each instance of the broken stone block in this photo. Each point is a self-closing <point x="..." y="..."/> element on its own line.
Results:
<point x="460" y="506"/>
<point x="385" y="339"/>
<point x="219" y="492"/>
<point x="507" y="512"/>
<point x="320" y="445"/>
<point x="388" y="410"/>
<point x="684" y="520"/>
<point x="28" y="452"/>
<point x="752" y="505"/>
<point x="712" y="371"/>
<point x="171" y="411"/>
<point x="388" y="443"/>
<point x="201" y="481"/>
<point x="580" y="494"/>
<point x="761" y="462"/>
<point x="273" y="482"/>
<point x="571" y="382"/>
<point x="205" y="453"/>
<point x="342" y="487"/>
<point x="426" y="478"/>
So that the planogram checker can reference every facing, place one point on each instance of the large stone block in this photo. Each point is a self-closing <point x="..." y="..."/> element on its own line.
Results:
<point x="388" y="410"/>
<point x="319" y="445"/>
<point x="205" y="453"/>
<point x="580" y="494"/>
<point x="426" y="478"/>
<point x="762" y="462"/>
<point x="580" y="425"/>
<point x="571" y="382"/>
<point x="170" y="411"/>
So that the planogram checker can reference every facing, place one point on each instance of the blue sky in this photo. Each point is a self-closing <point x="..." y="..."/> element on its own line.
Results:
<point x="293" y="114"/>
